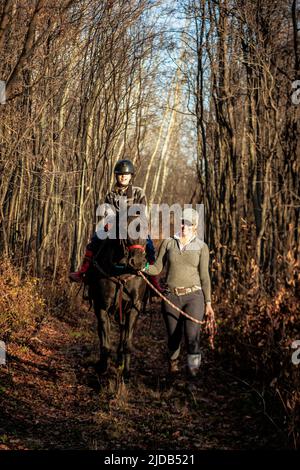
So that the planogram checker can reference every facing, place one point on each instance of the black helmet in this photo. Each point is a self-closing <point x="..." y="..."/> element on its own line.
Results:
<point x="124" y="166"/>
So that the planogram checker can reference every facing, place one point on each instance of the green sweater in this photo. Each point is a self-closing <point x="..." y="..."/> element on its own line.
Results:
<point x="185" y="268"/>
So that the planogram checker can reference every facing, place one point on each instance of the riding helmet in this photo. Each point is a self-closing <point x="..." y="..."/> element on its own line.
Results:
<point x="124" y="166"/>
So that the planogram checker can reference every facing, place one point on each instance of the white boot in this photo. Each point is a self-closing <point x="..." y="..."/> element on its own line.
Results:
<point x="193" y="364"/>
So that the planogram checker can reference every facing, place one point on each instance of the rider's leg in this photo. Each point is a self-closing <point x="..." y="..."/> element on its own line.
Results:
<point x="78" y="276"/>
<point x="154" y="280"/>
<point x="91" y="249"/>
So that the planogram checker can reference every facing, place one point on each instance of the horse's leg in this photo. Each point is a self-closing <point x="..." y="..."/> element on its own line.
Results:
<point x="131" y="319"/>
<point x="127" y="363"/>
<point x="104" y="337"/>
<point x="120" y="352"/>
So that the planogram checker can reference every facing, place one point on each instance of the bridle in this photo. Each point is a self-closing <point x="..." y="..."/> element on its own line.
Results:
<point x="120" y="281"/>
<point x="128" y="248"/>
<point x="136" y="247"/>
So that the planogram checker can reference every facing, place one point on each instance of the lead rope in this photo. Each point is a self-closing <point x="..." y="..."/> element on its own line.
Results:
<point x="210" y="328"/>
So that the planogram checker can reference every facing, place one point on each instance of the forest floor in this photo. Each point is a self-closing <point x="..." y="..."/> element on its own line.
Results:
<point x="51" y="397"/>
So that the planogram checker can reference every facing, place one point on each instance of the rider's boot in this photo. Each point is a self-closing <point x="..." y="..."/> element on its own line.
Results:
<point x="79" y="275"/>
<point x="154" y="280"/>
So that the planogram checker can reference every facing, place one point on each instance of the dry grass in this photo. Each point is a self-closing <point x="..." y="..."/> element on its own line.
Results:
<point x="21" y="304"/>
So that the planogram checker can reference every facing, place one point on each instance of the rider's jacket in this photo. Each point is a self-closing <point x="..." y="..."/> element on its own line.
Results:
<point x="131" y="194"/>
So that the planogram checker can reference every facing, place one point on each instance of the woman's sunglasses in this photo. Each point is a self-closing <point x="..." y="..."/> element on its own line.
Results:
<point x="187" y="222"/>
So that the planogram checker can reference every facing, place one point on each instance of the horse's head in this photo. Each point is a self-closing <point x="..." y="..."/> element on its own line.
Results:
<point x="136" y="255"/>
<point x="135" y="243"/>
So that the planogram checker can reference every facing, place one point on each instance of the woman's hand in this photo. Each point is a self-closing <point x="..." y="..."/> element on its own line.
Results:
<point x="209" y="310"/>
<point x="211" y="326"/>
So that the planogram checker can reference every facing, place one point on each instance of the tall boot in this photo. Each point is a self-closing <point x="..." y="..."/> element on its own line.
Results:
<point x="193" y="365"/>
<point x="154" y="280"/>
<point x="79" y="275"/>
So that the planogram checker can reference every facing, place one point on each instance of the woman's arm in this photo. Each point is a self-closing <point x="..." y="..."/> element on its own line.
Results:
<point x="158" y="266"/>
<point x="204" y="273"/>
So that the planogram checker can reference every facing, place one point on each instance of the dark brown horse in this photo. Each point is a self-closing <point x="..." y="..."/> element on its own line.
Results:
<point x="115" y="288"/>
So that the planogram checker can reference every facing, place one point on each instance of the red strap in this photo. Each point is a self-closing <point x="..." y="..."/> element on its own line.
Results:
<point x="133" y="247"/>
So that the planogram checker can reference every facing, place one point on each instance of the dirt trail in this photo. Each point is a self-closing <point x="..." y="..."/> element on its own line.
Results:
<point x="51" y="398"/>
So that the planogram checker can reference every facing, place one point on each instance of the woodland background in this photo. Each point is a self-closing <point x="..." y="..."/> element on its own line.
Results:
<point x="201" y="95"/>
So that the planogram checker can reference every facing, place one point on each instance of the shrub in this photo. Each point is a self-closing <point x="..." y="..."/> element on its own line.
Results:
<point x="21" y="305"/>
<point x="256" y="332"/>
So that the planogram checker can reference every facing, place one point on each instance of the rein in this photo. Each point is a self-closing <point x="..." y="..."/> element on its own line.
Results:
<point x="210" y="323"/>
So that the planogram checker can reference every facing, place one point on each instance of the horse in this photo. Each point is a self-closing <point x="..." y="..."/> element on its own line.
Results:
<point x="115" y="277"/>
